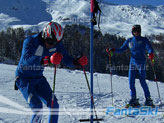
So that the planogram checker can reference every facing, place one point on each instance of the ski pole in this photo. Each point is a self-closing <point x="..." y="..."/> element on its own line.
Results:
<point x="90" y="94"/>
<point x="98" y="83"/>
<point x="53" y="90"/>
<point x="110" y="63"/>
<point x="54" y="82"/>
<point x="155" y="79"/>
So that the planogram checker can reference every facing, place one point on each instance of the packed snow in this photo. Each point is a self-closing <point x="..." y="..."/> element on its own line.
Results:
<point x="71" y="87"/>
<point x="115" y="19"/>
<point x="73" y="97"/>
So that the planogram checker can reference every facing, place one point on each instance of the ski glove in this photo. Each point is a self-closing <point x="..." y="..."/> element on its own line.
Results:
<point x="82" y="61"/>
<point x="56" y="58"/>
<point x="151" y="57"/>
<point x="110" y="51"/>
<point x="46" y="61"/>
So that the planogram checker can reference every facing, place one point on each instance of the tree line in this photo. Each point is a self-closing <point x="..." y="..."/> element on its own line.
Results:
<point x="77" y="39"/>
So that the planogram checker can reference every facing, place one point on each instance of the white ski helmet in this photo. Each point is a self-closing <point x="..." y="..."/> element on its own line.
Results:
<point x="53" y="30"/>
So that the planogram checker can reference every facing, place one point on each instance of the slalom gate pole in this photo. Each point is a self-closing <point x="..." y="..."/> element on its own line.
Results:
<point x="91" y="68"/>
<point x="53" y="91"/>
<point x="97" y="119"/>
<point x="91" y="57"/>
<point x="155" y="79"/>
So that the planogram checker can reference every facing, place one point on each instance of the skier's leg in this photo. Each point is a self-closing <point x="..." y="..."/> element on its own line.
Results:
<point x="32" y="99"/>
<point x="45" y="92"/>
<point x="36" y="117"/>
<point x="142" y="76"/>
<point x="132" y="75"/>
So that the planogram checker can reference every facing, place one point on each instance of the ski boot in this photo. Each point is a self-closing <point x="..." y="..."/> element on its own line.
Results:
<point x="149" y="102"/>
<point x="133" y="103"/>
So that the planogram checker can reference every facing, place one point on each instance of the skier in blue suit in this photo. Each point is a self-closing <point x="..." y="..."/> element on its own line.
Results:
<point x="37" y="51"/>
<point x="138" y="46"/>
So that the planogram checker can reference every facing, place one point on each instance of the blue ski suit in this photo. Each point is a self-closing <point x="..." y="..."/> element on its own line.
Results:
<point x="31" y="82"/>
<point x="138" y="47"/>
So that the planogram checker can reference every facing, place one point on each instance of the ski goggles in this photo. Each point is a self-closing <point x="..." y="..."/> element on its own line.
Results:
<point x="136" y="30"/>
<point x="51" y="42"/>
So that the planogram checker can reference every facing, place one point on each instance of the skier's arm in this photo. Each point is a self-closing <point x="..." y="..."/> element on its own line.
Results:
<point x="67" y="60"/>
<point x="30" y="55"/>
<point x="123" y="47"/>
<point x="149" y="48"/>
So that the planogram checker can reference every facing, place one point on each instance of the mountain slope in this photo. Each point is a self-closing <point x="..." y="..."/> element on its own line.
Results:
<point x="73" y="97"/>
<point x="116" y="19"/>
<point x="138" y="2"/>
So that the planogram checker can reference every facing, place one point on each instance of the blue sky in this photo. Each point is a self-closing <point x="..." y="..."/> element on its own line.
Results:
<point x="138" y="2"/>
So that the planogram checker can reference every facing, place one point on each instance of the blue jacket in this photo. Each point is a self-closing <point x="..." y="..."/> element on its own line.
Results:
<point x="32" y="54"/>
<point x="138" y="47"/>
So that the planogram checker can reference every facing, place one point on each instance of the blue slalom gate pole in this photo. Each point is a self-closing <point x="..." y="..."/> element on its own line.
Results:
<point x="91" y="59"/>
<point x="92" y="106"/>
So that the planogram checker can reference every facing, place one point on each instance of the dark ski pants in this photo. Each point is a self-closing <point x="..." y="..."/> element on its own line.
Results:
<point x="141" y="70"/>
<point x="36" y="91"/>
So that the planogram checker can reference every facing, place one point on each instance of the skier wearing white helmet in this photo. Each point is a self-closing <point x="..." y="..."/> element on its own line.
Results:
<point x="36" y="53"/>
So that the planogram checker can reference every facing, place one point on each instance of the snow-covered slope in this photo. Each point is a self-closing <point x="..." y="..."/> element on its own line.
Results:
<point x="23" y="12"/>
<point x="116" y="19"/>
<point x="138" y="2"/>
<point x="73" y="95"/>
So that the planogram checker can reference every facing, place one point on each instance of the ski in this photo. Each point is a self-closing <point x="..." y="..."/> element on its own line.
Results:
<point x="87" y="120"/>
<point x="134" y="106"/>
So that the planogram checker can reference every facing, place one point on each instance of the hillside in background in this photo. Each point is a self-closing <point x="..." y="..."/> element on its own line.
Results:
<point x="115" y="19"/>
<point x="76" y="41"/>
<point x="138" y="2"/>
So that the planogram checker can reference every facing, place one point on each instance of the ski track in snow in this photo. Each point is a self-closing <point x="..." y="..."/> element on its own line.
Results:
<point x="72" y="93"/>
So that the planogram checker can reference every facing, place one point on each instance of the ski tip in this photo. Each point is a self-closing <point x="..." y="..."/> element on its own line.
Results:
<point x="87" y="120"/>
<point x="127" y="106"/>
<point x="133" y="106"/>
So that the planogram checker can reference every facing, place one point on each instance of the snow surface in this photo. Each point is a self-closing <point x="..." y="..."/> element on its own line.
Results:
<point x="138" y="2"/>
<point x="116" y="19"/>
<point x="72" y="93"/>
